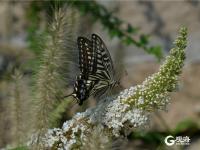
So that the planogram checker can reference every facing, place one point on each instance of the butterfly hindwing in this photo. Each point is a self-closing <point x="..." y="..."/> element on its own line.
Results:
<point x="82" y="88"/>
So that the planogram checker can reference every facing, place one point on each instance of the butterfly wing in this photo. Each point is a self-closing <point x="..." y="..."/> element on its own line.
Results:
<point x="87" y="57"/>
<point x="96" y="69"/>
<point x="82" y="88"/>
<point x="105" y="70"/>
<point x="104" y="60"/>
<point x="87" y="61"/>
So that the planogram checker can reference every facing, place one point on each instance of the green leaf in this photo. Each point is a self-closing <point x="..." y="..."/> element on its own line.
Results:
<point x="186" y="125"/>
<point x="114" y="33"/>
<point x="148" y="137"/>
<point x="130" y="29"/>
<point x="157" y="51"/>
<point x="144" y="39"/>
<point x="128" y="41"/>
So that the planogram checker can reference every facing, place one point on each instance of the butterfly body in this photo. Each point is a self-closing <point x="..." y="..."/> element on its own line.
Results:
<point x="97" y="74"/>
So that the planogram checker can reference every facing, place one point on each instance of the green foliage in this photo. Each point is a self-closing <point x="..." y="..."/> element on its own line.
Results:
<point x="98" y="13"/>
<point x="20" y="148"/>
<point x="186" y="126"/>
<point x="152" y="137"/>
<point x="33" y="34"/>
<point x="56" y="115"/>
<point x="114" y="26"/>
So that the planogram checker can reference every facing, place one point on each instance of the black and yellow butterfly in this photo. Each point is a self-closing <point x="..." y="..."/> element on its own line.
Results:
<point x="97" y="74"/>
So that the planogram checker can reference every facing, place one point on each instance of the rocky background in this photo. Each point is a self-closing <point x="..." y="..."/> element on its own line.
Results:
<point x="160" y="19"/>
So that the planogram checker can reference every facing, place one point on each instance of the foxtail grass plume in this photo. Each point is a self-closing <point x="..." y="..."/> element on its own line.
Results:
<point x="50" y="77"/>
<point x="21" y="108"/>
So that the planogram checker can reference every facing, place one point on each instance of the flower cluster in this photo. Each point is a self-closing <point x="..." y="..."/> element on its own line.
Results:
<point x="111" y="113"/>
<point x="154" y="91"/>
<point x="129" y="110"/>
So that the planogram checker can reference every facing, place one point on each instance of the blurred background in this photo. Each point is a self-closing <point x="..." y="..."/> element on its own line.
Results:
<point x="137" y="34"/>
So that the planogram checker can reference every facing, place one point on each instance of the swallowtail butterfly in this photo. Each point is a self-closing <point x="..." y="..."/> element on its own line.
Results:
<point x="97" y="75"/>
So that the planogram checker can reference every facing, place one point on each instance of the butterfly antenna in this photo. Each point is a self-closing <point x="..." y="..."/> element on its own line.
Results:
<point x="59" y="98"/>
<point x="67" y="95"/>
<point x="62" y="97"/>
<point x="73" y="104"/>
<point x="74" y="101"/>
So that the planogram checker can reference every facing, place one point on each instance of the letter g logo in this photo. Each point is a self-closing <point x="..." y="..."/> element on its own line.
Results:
<point x="169" y="140"/>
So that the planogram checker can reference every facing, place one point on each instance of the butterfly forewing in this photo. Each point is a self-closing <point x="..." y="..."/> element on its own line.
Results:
<point x="104" y="60"/>
<point x="87" y="58"/>
<point x="105" y="70"/>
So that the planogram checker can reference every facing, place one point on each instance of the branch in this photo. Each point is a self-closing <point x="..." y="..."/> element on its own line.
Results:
<point x="115" y="26"/>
